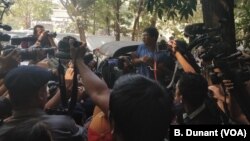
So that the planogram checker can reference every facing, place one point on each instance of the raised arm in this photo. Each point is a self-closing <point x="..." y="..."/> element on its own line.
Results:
<point x="95" y="87"/>
<point x="180" y="58"/>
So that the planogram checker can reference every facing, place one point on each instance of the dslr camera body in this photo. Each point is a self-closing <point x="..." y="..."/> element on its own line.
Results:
<point x="64" y="47"/>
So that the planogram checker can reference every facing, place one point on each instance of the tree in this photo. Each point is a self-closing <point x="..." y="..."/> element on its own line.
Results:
<point x="242" y="18"/>
<point x="77" y="10"/>
<point x="140" y="9"/>
<point x="103" y="17"/>
<point x="24" y="11"/>
<point x="116" y="4"/>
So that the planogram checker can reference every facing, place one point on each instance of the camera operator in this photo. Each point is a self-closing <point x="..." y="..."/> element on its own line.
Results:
<point x="44" y="38"/>
<point x="222" y="70"/>
<point x="230" y="97"/>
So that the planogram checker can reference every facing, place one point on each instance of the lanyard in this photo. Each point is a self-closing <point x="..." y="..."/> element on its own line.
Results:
<point x="155" y="69"/>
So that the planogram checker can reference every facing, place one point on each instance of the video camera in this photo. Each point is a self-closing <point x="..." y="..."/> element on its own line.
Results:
<point x="206" y="41"/>
<point x="233" y="67"/>
<point x="19" y="40"/>
<point x="4" y="37"/>
<point x="52" y="34"/>
<point x="29" y="53"/>
<point x="31" y="38"/>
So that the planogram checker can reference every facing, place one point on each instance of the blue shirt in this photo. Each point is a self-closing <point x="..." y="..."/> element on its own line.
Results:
<point x="143" y="68"/>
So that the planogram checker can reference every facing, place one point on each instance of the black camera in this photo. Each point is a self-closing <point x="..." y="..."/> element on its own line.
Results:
<point x="30" y="53"/>
<point x="4" y="37"/>
<point x="64" y="47"/>
<point x="19" y="40"/>
<point x="52" y="34"/>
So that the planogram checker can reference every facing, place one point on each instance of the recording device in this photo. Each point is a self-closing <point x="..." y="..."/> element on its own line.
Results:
<point x="233" y="68"/>
<point x="4" y="37"/>
<point x="206" y="41"/>
<point x="209" y="46"/>
<point x="19" y="40"/>
<point x="5" y="27"/>
<point x="51" y="34"/>
<point x="64" y="47"/>
<point x="29" y="53"/>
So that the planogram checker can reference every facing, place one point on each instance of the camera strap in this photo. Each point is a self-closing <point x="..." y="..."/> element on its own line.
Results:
<point x="155" y="69"/>
<point x="73" y="98"/>
<point x="62" y="85"/>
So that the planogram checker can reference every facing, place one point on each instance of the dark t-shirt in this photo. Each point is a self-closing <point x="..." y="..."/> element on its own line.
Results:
<point x="63" y="128"/>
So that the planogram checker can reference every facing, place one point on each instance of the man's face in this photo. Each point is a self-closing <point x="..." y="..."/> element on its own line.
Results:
<point x="147" y="39"/>
<point x="39" y="30"/>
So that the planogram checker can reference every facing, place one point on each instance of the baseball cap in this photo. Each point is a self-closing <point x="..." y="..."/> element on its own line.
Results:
<point x="26" y="78"/>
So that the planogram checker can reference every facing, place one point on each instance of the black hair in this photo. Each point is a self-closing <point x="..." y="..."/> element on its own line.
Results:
<point x="140" y="109"/>
<point x="152" y="32"/>
<point x="193" y="88"/>
<point x="35" y="27"/>
<point x="24" y="99"/>
<point x="5" y="107"/>
<point x="31" y="130"/>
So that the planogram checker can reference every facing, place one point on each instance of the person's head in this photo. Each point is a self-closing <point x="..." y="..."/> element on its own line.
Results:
<point x="27" y="86"/>
<point x="192" y="89"/>
<point x="140" y="109"/>
<point x="38" y="29"/>
<point x="5" y="107"/>
<point x="150" y="36"/>
<point x="30" y="130"/>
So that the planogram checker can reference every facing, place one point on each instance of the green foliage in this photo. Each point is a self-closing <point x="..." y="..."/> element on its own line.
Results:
<point x="242" y="18"/>
<point x="172" y="8"/>
<point x="24" y="11"/>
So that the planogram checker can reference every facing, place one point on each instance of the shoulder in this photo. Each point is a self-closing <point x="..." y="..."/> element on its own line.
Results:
<point x="58" y="119"/>
<point x="63" y="127"/>
<point x="140" y="48"/>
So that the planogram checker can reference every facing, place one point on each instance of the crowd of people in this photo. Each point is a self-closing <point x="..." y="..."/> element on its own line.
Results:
<point x="139" y="107"/>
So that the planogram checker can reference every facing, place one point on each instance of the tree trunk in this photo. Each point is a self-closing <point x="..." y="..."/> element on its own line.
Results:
<point x="108" y="25"/>
<point x="27" y="22"/>
<point x="81" y="30"/>
<point x="94" y="21"/>
<point x="216" y="10"/>
<point x="117" y="20"/>
<point x="153" y="20"/>
<point x="137" y="17"/>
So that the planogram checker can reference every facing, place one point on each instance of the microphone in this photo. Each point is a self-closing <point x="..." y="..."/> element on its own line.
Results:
<point x="5" y="27"/>
<point x="234" y="55"/>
